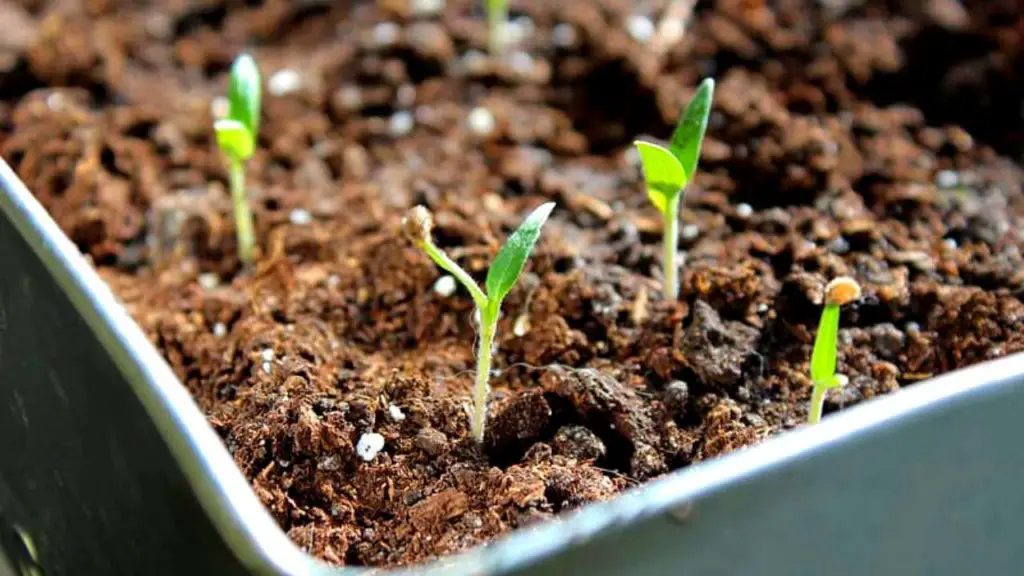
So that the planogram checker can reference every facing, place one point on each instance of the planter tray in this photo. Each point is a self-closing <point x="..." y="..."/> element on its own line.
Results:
<point x="108" y="466"/>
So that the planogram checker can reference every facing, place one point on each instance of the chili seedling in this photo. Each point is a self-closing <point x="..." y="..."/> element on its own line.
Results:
<point x="839" y="292"/>
<point x="236" y="137"/>
<point x="667" y="171"/>
<point x="501" y="277"/>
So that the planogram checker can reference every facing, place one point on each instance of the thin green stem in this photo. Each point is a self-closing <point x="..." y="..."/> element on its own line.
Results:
<point x="817" y="402"/>
<point x="243" y="216"/>
<point x="442" y="260"/>
<point x="497" y="19"/>
<point x="488" y="326"/>
<point x="670" y="269"/>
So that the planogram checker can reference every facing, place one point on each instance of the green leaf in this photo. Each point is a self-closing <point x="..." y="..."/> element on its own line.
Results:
<point x="512" y="257"/>
<point x="663" y="174"/>
<point x="244" y="94"/>
<point x="234" y="138"/>
<point x="823" y="357"/>
<point x="689" y="133"/>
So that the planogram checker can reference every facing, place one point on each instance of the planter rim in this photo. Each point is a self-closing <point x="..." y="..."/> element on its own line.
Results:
<point x="260" y="544"/>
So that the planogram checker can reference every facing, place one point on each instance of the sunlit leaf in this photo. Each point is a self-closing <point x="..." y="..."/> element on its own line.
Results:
<point x="244" y="94"/>
<point x="233" y="138"/>
<point x="689" y="133"/>
<point x="512" y="257"/>
<point x="663" y="174"/>
<point x="823" y="357"/>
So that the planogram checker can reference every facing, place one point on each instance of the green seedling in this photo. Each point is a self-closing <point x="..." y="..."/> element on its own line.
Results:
<point x="236" y="137"/>
<point x="501" y="277"/>
<point x="667" y="171"/>
<point x="497" y="18"/>
<point x="840" y="291"/>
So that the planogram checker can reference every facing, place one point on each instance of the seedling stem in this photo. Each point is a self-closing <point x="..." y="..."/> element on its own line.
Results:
<point x="497" y="21"/>
<point x="671" y="245"/>
<point x="243" y="216"/>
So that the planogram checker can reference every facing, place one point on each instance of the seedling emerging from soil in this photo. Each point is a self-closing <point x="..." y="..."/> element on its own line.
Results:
<point x="667" y="171"/>
<point x="497" y="17"/>
<point x="840" y="291"/>
<point x="501" y="277"/>
<point x="236" y="136"/>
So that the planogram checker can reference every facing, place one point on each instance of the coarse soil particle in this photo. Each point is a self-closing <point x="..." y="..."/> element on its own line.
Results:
<point x="878" y="139"/>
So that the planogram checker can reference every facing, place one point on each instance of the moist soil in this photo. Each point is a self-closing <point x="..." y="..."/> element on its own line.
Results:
<point x="876" y="139"/>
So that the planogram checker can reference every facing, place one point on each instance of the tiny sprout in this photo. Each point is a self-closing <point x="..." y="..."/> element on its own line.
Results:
<point x="501" y="277"/>
<point x="668" y="170"/>
<point x="236" y="137"/>
<point x="839" y="292"/>
<point x="497" y="20"/>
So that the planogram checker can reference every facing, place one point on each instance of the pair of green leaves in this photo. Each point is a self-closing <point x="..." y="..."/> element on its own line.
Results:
<point x="505" y="268"/>
<point x="236" y="134"/>
<point x="667" y="170"/>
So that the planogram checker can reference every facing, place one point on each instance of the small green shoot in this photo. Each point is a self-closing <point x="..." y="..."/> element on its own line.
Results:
<point x="840" y="291"/>
<point x="497" y="20"/>
<point x="236" y="137"/>
<point x="668" y="170"/>
<point x="501" y="277"/>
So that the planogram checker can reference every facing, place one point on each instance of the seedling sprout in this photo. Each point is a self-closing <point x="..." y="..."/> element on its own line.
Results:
<point x="667" y="171"/>
<point x="501" y="277"/>
<point x="840" y="291"/>
<point x="497" y="19"/>
<point x="236" y="137"/>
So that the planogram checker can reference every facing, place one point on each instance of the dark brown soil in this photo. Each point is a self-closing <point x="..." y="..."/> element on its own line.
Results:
<point x="878" y="139"/>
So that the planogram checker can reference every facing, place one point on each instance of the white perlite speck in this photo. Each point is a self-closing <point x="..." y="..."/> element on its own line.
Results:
<point x="300" y="217"/>
<point x="385" y="34"/>
<point x="518" y="29"/>
<point x="401" y="123"/>
<point x="640" y="28"/>
<point x="426" y="7"/>
<point x="283" y="82"/>
<point x="632" y="156"/>
<point x="480" y="121"/>
<point x="473" y="61"/>
<point x="405" y="96"/>
<point x="744" y="210"/>
<point x="220" y="330"/>
<point x="369" y="445"/>
<point x="268" y="356"/>
<point x="563" y="35"/>
<point x="350" y="98"/>
<point x="521" y="62"/>
<point x="445" y="286"/>
<point x="947" y="179"/>
<point x="521" y="326"/>
<point x="396" y="413"/>
<point x="219" y="107"/>
<point x="209" y="280"/>
<point x="690" y="231"/>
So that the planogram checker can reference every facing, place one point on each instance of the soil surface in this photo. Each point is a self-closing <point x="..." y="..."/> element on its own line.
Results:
<point x="871" y="138"/>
